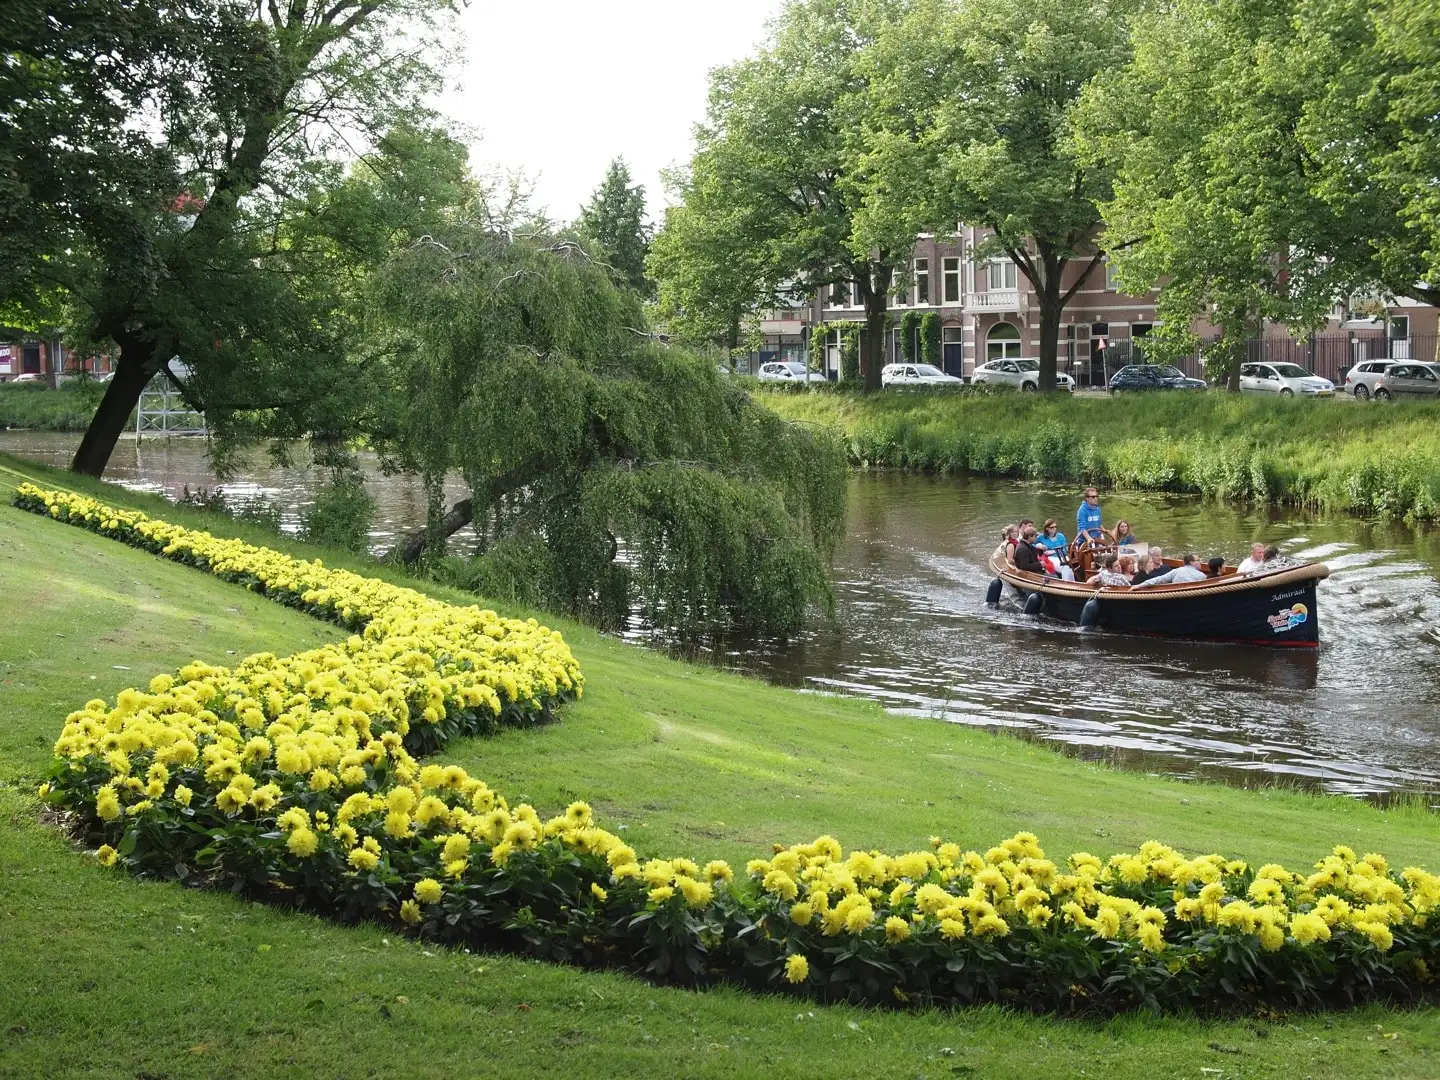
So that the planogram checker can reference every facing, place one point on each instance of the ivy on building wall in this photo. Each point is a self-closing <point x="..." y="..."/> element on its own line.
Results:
<point x="930" y="338"/>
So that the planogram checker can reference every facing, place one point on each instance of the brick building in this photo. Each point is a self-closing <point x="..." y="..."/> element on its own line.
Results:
<point x="988" y="311"/>
<point x="49" y="358"/>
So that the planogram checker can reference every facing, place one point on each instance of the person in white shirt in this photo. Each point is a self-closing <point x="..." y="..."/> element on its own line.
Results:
<point x="1189" y="571"/>
<point x="1253" y="561"/>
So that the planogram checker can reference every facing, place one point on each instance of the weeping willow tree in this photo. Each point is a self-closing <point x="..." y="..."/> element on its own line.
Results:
<point x="608" y="472"/>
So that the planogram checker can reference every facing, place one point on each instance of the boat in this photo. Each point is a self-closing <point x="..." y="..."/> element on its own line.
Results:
<point x="1275" y="607"/>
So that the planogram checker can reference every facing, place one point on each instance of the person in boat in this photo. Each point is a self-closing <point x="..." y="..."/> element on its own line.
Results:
<point x="1123" y="536"/>
<point x="1026" y="558"/>
<point x="1127" y="566"/>
<point x="1188" y="571"/>
<point x="1275" y="561"/>
<point x="1054" y="542"/>
<point x="1216" y="565"/>
<point x="1251" y="562"/>
<point x="1009" y="536"/>
<point x="1152" y="564"/>
<point x="1110" y="573"/>
<point x="1087" y="518"/>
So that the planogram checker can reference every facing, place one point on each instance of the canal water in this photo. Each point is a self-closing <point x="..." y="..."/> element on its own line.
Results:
<point x="1359" y="716"/>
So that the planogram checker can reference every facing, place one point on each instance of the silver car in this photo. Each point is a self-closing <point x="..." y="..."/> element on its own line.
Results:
<point x="1360" y="380"/>
<point x="1021" y="374"/>
<point x="1286" y="380"/>
<point x="1407" y="380"/>
<point x="788" y="371"/>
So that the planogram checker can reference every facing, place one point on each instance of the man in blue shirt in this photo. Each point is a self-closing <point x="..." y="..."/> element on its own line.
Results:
<point x="1087" y="518"/>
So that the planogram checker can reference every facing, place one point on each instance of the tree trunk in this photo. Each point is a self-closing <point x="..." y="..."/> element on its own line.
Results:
<point x="1050" y="310"/>
<point x="876" y="289"/>
<point x="122" y="394"/>
<point x="412" y="545"/>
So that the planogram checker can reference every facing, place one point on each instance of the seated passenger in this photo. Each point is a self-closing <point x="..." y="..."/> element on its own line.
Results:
<point x="1053" y="566"/>
<point x="1108" y="574"/>
<point x="1152" y="564"/>
<point x="1006" y="551"/>
<point x="1189" y="570"/>
<point x="1025" y="557"/>
<point x="1275" y="561"/>
<point x="1216" y="565"/>
<point x="1052" y="538"/>
<point x="1123" y="536"/>
<point x="1251" y="562"/>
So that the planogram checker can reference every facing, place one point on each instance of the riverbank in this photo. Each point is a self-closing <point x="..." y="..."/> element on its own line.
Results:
<point x="1339" y="456"/>
<point x="38" y="408"/>
<point x="686" y="758"/>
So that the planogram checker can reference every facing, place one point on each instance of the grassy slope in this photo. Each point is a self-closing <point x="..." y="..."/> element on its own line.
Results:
<point x="109" y="976"/>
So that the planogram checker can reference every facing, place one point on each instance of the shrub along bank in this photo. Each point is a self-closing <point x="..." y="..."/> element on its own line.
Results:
<point x="1331" y="455"/>
<point x="293" y="778"/>
<point x="35" y="405"/>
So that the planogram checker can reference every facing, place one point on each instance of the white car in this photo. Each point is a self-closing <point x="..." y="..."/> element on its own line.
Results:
<point x="787" y="371"/>
<point x="1360" y="380"/>
<point x="1022" y="374"/>
<point x="1286" y="380"/>
<point x="916" y="375"/>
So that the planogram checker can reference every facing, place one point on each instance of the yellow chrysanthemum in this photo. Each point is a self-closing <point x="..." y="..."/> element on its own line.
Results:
<point x="797" y="969"/>
<point x="428" y="891"/>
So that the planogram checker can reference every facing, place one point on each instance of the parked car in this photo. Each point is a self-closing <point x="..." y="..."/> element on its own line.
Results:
<point x="1022" y="374"/>
<point x="787" y="371"/>
<point x="1152" y="377"/>
<point x="1360" y="379"/>
<point x="916" y="375"/>
<point x="1287" y="380"/>
<point x="1407" y="380"/>
<point x="28" y="377"/>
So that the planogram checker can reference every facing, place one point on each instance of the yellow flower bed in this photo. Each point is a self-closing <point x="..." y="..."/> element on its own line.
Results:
<point x="297" y="778"/>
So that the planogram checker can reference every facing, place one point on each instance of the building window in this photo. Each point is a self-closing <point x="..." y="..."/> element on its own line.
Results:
<point x="952" y="280"/>
<point x="1400" y="328"/>
<point x="839" y="294"/>
<point x="1001" y="275"/>
<point x="1002" y="342"/>
<point x="922" y="281"/>
<point x="1112" y="284"/>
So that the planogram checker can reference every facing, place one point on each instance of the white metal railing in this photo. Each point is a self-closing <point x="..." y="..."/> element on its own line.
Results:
<point x="163" y="412"/>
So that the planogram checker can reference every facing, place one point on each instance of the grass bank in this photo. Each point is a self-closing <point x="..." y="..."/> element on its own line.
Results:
<point x="110" y="976"/>
<point x="36" y="406"/>
<point x="1331" y="455"/>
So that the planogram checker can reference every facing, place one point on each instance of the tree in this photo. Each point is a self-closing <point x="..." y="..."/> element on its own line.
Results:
<point x="251" y="112"/>
<point x="1219" y="192"/>
<point x="710" y="261"/>
<point x="613" y="221"/>
<point x="970" y="123"/>
<point x="779" y="152"/>
<point x="607" y="471"/>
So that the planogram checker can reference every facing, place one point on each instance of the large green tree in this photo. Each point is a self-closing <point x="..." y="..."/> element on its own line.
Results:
<point x="779" y="155"/>
<point x="970" y="122"/>
<point x="614" y="223"/>
<point x="1271" y="159"/>
<point x="239" y="124"/>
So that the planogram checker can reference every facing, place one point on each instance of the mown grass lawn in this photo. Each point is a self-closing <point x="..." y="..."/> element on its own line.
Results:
<point x="104" y="975"/>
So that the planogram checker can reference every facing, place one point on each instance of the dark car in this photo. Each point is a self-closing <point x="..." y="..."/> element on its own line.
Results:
<point x="1153" y="377"/>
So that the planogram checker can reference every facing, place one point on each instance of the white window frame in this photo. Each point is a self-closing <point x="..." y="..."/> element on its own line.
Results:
<point x="950" y="269"/>
<point x="1007" y="272"/>
<point x="922" y="282"/>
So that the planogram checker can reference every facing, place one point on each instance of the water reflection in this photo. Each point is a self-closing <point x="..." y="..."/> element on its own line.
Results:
<point x="1357" y="716"/>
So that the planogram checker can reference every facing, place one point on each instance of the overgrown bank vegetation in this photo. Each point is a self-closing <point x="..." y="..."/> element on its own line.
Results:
<point x="29" y="405"/>
<point x="1327" y="455"/>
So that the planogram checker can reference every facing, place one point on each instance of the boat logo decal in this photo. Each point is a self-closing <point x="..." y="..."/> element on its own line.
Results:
<point x="1289" y="618"/>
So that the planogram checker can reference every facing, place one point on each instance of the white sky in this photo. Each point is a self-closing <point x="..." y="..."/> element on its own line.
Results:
<point x="560" y="87"/>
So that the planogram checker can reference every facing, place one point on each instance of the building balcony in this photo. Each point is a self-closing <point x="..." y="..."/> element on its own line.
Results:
<point x="1005" y="300"/>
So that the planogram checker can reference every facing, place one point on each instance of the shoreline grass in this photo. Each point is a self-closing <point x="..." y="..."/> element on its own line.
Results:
<point x="1338" y="456"/>
<point x="689" y="759"/>
<point x="40" y="408"/>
